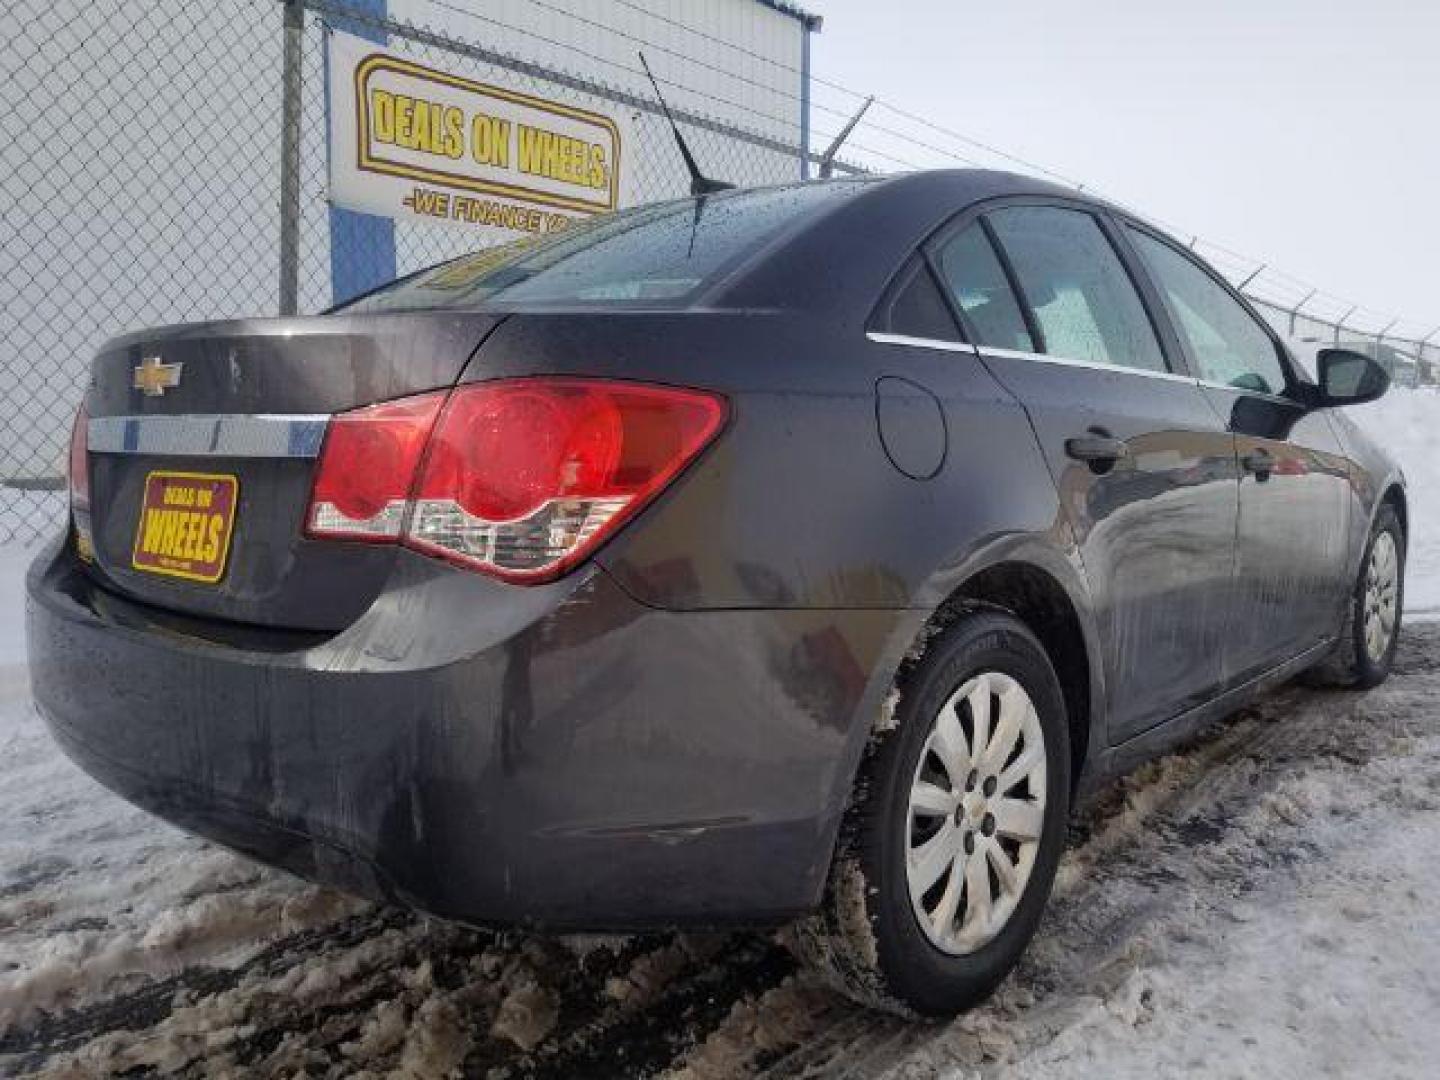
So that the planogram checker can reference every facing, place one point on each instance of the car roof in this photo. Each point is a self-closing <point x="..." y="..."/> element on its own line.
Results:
<point x="868" y="237"/>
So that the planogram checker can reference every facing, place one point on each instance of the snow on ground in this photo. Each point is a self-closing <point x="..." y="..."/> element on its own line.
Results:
<point x="1261" y="904"/>
<point x="13" y="561"/>
<point x="93" y="895"/>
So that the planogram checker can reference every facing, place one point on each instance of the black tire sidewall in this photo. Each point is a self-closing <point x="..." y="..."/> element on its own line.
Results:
<point x="927" y="979"/>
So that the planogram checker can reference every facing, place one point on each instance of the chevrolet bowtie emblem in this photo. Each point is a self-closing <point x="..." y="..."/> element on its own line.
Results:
<point x="152" y="378"/>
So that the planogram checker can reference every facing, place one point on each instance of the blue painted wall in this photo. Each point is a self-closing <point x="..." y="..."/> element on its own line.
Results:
<point x="362" y="246"/>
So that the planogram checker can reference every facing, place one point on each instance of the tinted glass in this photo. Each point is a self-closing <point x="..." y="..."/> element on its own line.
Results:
<point x="1227" y="344"/>
<point x="1084" y="302"/>
<point x="975" y="278"/>
<point x="917" y="308"/>
<point x="652" y="253"/>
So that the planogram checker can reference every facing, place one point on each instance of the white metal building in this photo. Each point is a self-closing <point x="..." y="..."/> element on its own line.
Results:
<point x="152" y="191"/>
<point x="741" y="61"/>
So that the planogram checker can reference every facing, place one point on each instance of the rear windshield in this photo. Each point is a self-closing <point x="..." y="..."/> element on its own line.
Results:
<point x="656" y="253"/>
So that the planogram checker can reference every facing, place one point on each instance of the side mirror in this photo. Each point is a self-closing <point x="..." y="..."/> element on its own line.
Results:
<point x="1349" y="378"/>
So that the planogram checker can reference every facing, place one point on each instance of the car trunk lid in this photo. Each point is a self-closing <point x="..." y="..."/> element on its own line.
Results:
<point x="203" y="443"/>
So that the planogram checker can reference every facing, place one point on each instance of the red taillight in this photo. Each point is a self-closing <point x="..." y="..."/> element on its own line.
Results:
<point x="80" y="461"/>
<point x="368" y="462"/>
<point x="525" y="478"/>
<point x="521" y="478"/>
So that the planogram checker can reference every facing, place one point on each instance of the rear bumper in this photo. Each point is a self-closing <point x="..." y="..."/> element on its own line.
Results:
<point x="559" y="756"/>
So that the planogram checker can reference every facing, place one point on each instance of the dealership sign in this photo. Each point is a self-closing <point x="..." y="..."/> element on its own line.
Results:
<point x="409" y="141"/>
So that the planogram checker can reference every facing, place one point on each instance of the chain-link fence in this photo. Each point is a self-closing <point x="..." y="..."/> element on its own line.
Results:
<point x="1411" y="362"/>
<point x="144" y="176"/>
<point x="109" y="224"/>
<point x="165" y="161"/>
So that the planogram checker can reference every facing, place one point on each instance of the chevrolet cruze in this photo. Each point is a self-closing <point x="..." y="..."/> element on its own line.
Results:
<point x="779" y="556"/>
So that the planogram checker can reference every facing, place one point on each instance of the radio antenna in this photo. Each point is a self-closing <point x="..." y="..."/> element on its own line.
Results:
<point x="700" y="184"/>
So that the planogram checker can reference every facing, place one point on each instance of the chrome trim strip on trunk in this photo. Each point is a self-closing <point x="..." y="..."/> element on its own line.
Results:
<point x="225" y="435"/>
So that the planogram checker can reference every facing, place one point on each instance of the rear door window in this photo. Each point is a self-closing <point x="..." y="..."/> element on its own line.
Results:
<point x="916" y="308"/>
<point x="973" y="274"/>
<point x="1084" y="303"/>
<point x="1225" y="342"/>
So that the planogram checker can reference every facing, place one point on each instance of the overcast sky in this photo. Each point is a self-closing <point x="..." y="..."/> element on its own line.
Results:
<point x="1303" y="132"/>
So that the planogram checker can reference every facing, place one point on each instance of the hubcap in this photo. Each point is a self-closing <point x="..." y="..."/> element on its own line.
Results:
<point x="1382" y="579"/>
<point x="977" y="808"/>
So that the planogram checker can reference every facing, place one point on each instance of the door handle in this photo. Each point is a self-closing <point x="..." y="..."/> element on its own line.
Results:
<point x="1260" y="463"/>
<point x="1097" y="447"/>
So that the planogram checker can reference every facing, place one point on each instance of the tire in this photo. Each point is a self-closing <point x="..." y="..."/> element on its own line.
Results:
<point x="1357" y="663"/>
<point x="868" y="939"/>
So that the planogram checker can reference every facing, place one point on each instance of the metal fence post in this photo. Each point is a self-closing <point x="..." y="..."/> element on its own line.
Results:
<point x="289" y="299"/>
<point x="1380" y="344"/>
<point x="1295" y="311"/>
<point x="805" y="101"/>
<point x="827" y="159"/>
<point x="1251" y="277"/>
<point x="1340" y="322"/>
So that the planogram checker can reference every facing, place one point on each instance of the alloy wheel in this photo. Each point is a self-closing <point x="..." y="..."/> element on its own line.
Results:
<point x="976" y="813"/>
<point x="1382" y="579"/>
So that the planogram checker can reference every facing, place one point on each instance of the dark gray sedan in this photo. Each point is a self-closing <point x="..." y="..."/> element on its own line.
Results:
<point x="790" y="555"/>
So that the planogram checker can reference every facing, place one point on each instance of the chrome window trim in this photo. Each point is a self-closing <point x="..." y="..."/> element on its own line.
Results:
<point x="1212" y="385"/>
<point x="1021" y="354"/>
<point x="259" y="435"/>
<point x="919" y="342"/>
<point x="1065" y="361"/>
<point x="1039" y="358"/>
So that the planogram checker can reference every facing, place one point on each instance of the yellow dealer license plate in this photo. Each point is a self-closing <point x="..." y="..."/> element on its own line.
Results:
<point x="185" y="524"/>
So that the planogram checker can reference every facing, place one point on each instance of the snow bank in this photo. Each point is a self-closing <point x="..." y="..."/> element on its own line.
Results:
<point x="1407" y="423"/>
<point x="14" y="560"/>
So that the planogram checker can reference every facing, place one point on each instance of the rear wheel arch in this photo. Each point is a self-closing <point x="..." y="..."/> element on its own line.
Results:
<point x="1037" y="598"/>
<point x="873" y="935"/>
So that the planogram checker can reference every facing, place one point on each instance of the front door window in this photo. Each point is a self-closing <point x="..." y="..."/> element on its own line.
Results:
<point x="1225" y="342"/>
<point x="1083" y="300"/>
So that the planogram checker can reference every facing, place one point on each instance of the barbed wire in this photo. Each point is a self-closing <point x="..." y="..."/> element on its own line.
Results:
<point x="658" y="47"/>
<point x="789" y="121"/>
<point x="1257" y="270"/>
